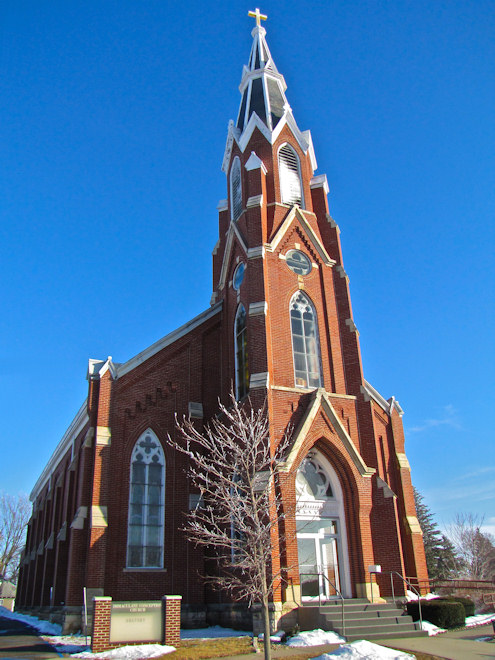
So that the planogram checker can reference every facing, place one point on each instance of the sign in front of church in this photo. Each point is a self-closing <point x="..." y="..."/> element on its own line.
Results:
<point x="136" y="622"/>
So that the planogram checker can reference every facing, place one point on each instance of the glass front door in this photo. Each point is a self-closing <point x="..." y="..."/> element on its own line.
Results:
<point x="318" y="548"/>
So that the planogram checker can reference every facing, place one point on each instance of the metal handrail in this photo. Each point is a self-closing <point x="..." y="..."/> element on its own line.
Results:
<point x="337" y="591"/>
<point x="406" y="581"/>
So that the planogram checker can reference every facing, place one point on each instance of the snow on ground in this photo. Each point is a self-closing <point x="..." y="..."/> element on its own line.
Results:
<point x="315" y="638"/>
<point x="431" y="629"/>
<point x="410" y="595"/>
<point x="212" y="632"/>
<point x="479" y="620"/>
<point x="128" y="652"/>
<point x="43" y="627"/>
<point x="362" y="649"/>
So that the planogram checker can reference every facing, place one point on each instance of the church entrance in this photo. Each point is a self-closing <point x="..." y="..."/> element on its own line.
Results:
<point x="320" y="526"/>
<point x="318" y="548"/>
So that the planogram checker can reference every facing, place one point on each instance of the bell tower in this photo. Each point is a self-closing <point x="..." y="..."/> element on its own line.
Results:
<point x="288" y="337"/>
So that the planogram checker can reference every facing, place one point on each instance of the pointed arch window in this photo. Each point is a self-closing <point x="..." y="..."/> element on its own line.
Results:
<point x="236" y="189"/>
<point x="305" y="341"/>
<point x="289" y="170"/>
<point x="145" y="531"/>
<point x="241" y="356"/>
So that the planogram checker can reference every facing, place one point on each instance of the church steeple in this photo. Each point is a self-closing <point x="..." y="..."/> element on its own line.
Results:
<point x="262" y="86"/>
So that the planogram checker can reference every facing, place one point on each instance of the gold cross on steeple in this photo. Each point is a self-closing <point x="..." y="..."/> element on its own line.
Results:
<point x="258" y="16"/>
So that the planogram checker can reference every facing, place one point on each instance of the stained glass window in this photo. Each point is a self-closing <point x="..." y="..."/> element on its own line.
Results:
<point x="146" y="504"/>
<point x="241" y="356"/>
<point x="305" y="342"/>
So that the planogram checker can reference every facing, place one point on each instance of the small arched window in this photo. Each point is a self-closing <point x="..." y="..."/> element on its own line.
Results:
<point x="305" y="341"/>
<point x="289" y="172"/>
<point x="145" y="532"/>
<point x="241" y="356"/>
<point x="236" y="189"/>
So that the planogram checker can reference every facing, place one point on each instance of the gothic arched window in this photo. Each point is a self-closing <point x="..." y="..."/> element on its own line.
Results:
<point x="236" y="189"/>
<point x="145" y="529"/>
<point x="305" y="341"/>
<point x="289" y="171"/>
<point x="241" y="356"/>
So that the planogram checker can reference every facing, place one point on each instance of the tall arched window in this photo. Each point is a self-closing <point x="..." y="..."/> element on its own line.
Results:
<point x="289" y="171"/>
<point x="146" y="504"/>
<point x="305" y="341"/>
<point x="241" y="356"/>
<point x="236" y="188"/>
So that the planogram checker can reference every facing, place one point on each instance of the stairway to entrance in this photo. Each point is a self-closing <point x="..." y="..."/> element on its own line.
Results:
<point x="362" y="620"/>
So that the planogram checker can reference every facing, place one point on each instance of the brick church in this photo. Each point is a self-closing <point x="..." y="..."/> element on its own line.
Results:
<point x="109" y="507"/>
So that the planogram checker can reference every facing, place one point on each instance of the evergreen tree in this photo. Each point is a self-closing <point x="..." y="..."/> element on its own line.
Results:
<point x="440" y="553"/>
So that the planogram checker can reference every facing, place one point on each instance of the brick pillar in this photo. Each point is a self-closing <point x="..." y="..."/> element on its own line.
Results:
<point x="171" y="620"/>
<point x="100" y="637"/>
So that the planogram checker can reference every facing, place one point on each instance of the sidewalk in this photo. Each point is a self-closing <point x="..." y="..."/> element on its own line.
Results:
<point x="18" y="640"/>
<point x="456" y="645"/>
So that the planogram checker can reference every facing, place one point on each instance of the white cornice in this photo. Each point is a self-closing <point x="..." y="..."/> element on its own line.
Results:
<point x="254" y="162"/>
<point x="76" y="426"/>
<point x="294" y="213"/>
<point x="369" y="392"/>
<point x="320" y="181"/>
<point x="242" y="140"/>
<point x="168" y="339"/>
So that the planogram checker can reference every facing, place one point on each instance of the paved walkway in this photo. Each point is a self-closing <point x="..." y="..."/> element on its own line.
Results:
<point x="458" y="645"/>
<point x="20" y="641"/>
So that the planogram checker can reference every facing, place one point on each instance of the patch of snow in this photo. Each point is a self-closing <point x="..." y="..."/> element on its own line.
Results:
<point x="43" y="627"/>
<point x="479" y="619"/>
<point x="128" y="652"/>
<point x="315" y="638"/>
<point x="431" y="629"/>
<point x="410" y="595"/>
<point x="277" y="637"/>
<point x="68" y="643"/>
<point x="365" y="650"/>
<point x="212" y="632"/>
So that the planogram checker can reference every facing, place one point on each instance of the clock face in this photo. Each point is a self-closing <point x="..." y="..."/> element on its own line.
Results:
<point x="238" y="276"/>
<point x="298" y="262"/>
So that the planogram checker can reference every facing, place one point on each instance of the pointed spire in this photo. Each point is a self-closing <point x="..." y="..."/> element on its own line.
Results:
<point x="262" y="86"/>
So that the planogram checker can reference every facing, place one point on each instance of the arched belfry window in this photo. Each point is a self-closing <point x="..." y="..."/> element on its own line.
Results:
<point x="241" y="356"/>
<point x="236" y="188"/>
<point x="305" y="341"/>
<point x="145" y="532"/>
<point x="289" y="171"/>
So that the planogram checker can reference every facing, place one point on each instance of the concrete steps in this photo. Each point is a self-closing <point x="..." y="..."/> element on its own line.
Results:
<point x="363" y="620"/>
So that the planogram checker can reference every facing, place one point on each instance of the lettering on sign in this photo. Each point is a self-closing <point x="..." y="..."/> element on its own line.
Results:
<point x="136" y="622"/>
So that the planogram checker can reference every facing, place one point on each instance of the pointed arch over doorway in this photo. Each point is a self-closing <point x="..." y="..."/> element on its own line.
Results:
<point x="321" y="530"/>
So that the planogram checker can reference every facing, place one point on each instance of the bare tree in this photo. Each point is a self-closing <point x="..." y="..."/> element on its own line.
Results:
<point x="14" y="516"/>
<point x="232" y="467"/>
<point x="475" y="548"/>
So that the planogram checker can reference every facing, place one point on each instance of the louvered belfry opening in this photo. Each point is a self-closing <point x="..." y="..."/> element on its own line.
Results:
<point x="290" y="176"/>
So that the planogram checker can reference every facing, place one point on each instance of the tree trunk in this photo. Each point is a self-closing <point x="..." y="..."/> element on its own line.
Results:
<point x="266" y="628"/>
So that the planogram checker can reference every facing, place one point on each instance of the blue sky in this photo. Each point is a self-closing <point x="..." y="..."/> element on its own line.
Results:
<point x="113" y="124"/>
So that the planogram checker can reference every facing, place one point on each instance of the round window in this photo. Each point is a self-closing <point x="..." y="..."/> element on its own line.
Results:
<point x="298" y="262"/>
<point x="238" y="276"/>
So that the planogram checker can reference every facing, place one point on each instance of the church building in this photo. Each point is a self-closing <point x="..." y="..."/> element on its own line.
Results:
<point x="109" y="507"/>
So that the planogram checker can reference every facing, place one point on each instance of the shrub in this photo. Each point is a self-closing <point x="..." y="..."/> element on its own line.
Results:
<point x="442" y="613"/>
<point x="467" y="603"/>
